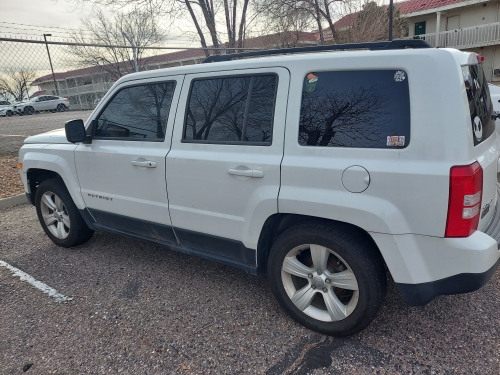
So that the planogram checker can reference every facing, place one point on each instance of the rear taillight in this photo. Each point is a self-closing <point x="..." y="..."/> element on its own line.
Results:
<point x="464" y="206"/>
<point x="65" y="99"/>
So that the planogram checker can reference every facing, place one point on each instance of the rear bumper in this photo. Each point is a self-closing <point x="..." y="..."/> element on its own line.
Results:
<point x="422" y="294"/>
<point x="425" y="267"/>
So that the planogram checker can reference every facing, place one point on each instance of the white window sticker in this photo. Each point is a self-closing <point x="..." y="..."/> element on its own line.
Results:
<point x="395" y="140"/>
<point x="399" y="76"/>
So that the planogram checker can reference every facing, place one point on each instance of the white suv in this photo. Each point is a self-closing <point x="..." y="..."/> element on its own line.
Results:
<point x="42" y="103"/>
<point x="324" y="170"/>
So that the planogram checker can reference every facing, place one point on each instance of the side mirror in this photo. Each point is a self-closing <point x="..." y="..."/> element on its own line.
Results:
<point x="75" y="132"/>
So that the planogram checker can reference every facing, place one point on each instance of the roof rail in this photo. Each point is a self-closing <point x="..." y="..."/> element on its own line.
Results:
<point x="372" y="46"/>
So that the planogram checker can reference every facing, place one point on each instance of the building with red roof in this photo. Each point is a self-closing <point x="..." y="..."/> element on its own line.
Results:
<point x="466" y="25"/>
<point x="83" y="86"/>
<point x="470" y="25"/>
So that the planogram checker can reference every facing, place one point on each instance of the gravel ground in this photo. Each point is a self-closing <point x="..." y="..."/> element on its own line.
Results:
<point x="141" y="309"/>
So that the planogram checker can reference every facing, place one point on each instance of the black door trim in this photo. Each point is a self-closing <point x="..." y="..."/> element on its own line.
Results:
<point x="221" y="250"/>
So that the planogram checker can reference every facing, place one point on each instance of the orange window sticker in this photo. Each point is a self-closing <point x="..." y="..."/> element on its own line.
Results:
<point x="311" y="82"/>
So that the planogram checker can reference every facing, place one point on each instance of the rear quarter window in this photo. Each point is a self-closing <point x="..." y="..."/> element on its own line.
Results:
<point x="362" y="108"/>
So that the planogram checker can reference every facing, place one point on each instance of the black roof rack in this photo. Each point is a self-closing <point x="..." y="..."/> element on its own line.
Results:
<point x="372" y="46"/>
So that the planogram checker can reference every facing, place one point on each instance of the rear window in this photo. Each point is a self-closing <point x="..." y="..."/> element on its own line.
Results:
<point x="359" y="108"/>
<point x="480" y="106"/>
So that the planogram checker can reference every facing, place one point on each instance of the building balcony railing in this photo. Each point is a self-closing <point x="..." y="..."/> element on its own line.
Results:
<point x="468" y="37"/>
<point x="84" y="89"/>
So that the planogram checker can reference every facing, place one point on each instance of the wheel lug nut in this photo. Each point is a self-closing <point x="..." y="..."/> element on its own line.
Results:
<point x="325" y="290"/>
<point x="313" y="286"/>
<point x="309" y="275"/>
<point x="328" y="281"/>
<point x="319" y="272"/>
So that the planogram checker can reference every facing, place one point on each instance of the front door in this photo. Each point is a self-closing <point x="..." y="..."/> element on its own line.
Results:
<point x="223" y="169"/>
<point x="419" y="28"/>
<point x="122" y="173"/>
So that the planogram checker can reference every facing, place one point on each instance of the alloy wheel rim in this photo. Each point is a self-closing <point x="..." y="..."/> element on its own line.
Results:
<point x="55" y="215"/>
<point x="320" y="283"/>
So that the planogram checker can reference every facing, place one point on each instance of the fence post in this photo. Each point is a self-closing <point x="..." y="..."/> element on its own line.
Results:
<point x="50" y="61"/>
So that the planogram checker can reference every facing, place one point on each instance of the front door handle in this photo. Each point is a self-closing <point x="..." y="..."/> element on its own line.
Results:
<point x="144" y="163"/>
<point x="255" y="173"/>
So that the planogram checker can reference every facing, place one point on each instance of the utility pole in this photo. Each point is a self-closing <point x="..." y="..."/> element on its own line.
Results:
<point x="391" y="16"/>
<point x="50" y="61"/>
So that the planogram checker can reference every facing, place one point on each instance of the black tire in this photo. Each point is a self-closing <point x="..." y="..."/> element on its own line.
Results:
<point x="61" y="108"/>
<point x="361" y="258"/>
<point x="29" y="110"/>
<point x="78" y="232"/>
<point x="9" y="113"/>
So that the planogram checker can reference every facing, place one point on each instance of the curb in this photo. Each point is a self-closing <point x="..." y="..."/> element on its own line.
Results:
<point x="13" y="201"/>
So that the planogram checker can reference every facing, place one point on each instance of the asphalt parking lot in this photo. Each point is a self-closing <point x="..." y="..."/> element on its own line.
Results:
<point x="140" y="309"/>
<point x="14" y="129"/>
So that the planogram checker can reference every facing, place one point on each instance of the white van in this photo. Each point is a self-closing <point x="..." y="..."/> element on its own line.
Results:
<point x="324" y="169"/>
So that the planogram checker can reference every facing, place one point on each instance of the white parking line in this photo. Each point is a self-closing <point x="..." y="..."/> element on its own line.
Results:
<point x="37" y="284"/>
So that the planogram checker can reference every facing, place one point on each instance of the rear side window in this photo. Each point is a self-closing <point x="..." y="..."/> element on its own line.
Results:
<point x="480" y="105"/>
<point x="137" y="113"/>
<point x="362" y="108"/>
<point x="231" y="110"/>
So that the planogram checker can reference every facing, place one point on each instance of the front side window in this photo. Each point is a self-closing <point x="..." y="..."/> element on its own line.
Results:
<point x="363" y="108"/>
<point x="137" y="113"/>
<point x="231" y="110"/>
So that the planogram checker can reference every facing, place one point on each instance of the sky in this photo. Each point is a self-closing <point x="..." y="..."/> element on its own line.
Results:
<point x="42" y="15"/>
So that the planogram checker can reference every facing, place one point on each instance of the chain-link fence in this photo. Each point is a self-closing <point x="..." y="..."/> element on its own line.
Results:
<point x="45" y="83"/>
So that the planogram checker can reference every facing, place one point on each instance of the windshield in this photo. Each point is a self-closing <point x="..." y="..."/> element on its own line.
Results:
<point x="480" y="105"/>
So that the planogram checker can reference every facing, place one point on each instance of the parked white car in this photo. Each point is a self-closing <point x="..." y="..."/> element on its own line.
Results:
<point x="6" y="108"/>
<point x="42" y="103"/>
<point x="321" y="170"/>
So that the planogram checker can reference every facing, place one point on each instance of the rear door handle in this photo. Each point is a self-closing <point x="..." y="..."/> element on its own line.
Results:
<point x="144" y="163"/>
<point x="255" y="173"/>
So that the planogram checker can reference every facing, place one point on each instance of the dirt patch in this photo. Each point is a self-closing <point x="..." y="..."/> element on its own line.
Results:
<point x="10" y="145"/>
<point x="10" y="182"/>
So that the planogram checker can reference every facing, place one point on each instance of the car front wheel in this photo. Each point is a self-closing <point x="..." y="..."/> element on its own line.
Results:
<point x="59" y="216"/>
<point x="29" y="110"/>
<point x="330" y="279"/>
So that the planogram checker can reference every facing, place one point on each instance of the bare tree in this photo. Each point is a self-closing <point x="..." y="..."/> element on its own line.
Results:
<point x="286" y="22"/>
<point x="321" y="11"/>
<point x="371" y="23"/>
<point x="207" y="16"/>
<point x="15" y="83"/>
<point x="137" y="29"/>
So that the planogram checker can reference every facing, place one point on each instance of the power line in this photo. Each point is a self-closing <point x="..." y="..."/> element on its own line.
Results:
<point x="19" y="33"/>
<point x="26" y="28"/>
<point x="45" y="27"/>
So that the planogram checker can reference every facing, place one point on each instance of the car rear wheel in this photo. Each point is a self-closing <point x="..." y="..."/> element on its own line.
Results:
<point x="59" y="216"/>
<point x="9" y="113"/>
<point x="61" y="108"/>
<point x="329" y="279"/>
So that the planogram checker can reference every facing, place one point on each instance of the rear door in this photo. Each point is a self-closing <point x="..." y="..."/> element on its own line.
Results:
<point x="223" y="169"/>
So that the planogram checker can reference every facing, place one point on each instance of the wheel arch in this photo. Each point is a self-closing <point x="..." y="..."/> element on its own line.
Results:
<point x="278" y="223"/>
<point x="35" y="176"/>
<point x="40" y="166"/>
